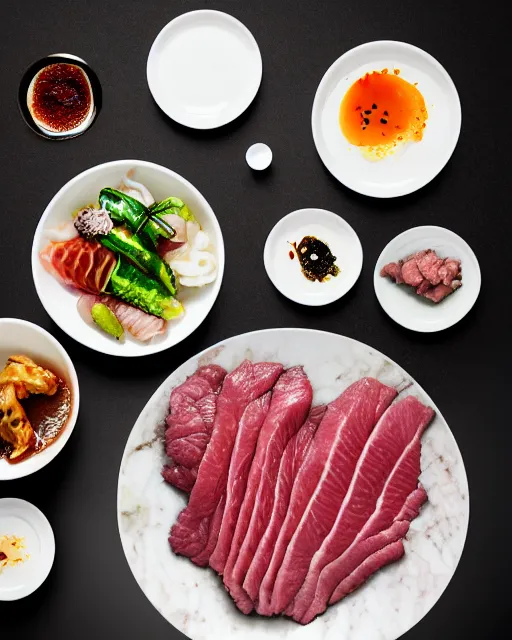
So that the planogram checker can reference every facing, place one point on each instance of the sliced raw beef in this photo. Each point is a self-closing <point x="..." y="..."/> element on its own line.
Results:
<point x="401" y="425"/>
<point x="385" y="554"/>
<point x="399" y="500"/>
<point x="320" y="487"/>
<point x="394" y="271"/>
<point x="192" y="407"/>
<point x="241" y="459"/>
<point x="411" y="274"/>
<point x="180" y="477"/>
<point x="291" y="402"/>
<point x="429" y="266"/>
<point x="449" y="270"/>
<point x="433" y="277"/>
<point x="423" y="288"/>
<point x="202" y="559"/>
<point x="438" y="293"/>
<point x="189" y="535"/>
<point x="292" y="459"/>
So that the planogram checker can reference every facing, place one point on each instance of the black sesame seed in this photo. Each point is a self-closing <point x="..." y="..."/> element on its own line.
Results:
<point x="386" y="113"/>
<point x="364" y="128"/>
<point x="383" y="120"/>
<point x="368" y="111"/>
<point x="374" y="106"/>
<point x="366" y="120"/>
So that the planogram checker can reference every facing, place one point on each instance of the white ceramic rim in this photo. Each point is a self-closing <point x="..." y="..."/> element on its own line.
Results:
<point x="399" y="319"/>
<point x="319" y="97"/>
<point x="19" y="470"/>
<point x="312" y="302"/>
<point x="149" y="348"/>
<point x="163" y="33"/>
<point x="48" y="557"/>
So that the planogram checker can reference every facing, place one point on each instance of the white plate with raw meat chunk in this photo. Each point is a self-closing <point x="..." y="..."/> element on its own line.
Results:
<point x="410" y="298"/>
<point x="319" y="481"/>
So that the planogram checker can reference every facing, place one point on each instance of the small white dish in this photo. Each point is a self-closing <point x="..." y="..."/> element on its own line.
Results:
<point x="259" y="156"/>
<point x="286" y="274"/>
<point x="60" y="301"/>
<point x="23" y="520"/>
<point x="401" y="302"/>
<point x="24" y="338"/>
<point x="204" y="69"/>
<point x="414" y="165"/>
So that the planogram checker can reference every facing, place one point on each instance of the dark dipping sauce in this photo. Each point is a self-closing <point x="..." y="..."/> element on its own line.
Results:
<point x="48" y="416"/>
<point x="316" y="259"/>
<point x="61" y="97"/>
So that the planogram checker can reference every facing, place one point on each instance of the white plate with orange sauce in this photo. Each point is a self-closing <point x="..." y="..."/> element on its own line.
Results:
<point x="413" y="89"/>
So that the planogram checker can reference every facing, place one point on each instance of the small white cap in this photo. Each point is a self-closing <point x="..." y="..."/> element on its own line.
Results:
<point x="259" y="156"/>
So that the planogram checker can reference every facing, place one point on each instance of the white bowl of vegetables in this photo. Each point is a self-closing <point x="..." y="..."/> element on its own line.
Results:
<point x="128" y="258"/>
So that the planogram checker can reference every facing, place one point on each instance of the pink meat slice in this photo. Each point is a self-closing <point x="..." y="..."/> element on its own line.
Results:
<point x="449" y="270"/>
<point x="371" y="565"/>
<point x="291" y="402"/>
<point x="241" y="459"/>
<point x="371" y="539"/>
<point x="385" y="553"/>
<point x="292" y="459"/>
<point x="438" y="293"/>
<point x="423" y="288"/>
<point x="189" y="535"/>
<point x="202" y="559"/>
<point x="397" y="434"/>
<point x="192" y="407"/>
<point x="429" y="266"/>
<point x="320" y="487"/>
<point x="179" y="477"/>
<point x="411" y="274"/>
<point x="394" y="271"/>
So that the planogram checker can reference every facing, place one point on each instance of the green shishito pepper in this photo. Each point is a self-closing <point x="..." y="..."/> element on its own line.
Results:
<point x="120" y="240"/>
<point x="124" y="209"/>
<point x="172" y="205"/>
<point x="136" y="288"/>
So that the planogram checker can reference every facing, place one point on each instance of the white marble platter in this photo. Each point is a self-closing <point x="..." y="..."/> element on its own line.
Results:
<point x="193" y="599"/>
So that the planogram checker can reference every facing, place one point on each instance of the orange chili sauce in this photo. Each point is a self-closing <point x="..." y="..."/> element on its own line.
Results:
<point x="381" y="108"/>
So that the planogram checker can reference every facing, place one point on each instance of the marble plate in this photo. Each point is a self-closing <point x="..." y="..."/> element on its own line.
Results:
<point x="193" y="599"/>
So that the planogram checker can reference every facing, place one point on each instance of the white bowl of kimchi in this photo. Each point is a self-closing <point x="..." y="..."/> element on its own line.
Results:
<point x="60" y="300"/>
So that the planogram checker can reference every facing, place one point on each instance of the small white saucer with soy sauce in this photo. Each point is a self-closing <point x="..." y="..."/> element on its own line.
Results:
<point x="297" y="278"/>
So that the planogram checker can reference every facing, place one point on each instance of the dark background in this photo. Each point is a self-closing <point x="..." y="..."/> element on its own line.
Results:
<point x="90" y="591"/>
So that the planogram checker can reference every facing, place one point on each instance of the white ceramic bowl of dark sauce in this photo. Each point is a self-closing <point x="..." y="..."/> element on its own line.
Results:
<point x="82" y="84"/>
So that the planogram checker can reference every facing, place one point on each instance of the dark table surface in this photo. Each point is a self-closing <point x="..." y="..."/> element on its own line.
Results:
<point x="90" y="591"/>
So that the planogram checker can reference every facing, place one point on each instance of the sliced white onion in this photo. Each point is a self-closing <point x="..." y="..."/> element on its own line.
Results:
<point x="197" y="281"/>
<point x="179" y="225"/>
<point x="136" y="189"/>
<point x="64" y="232"/>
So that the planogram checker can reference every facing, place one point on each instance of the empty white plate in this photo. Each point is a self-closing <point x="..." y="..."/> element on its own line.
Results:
<point x="285" y="272"/>
<point x="204" y="69"/>
<point x="23" y="520"/>
<point x="402" y="303"/>
<point x="415" y="164"/>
